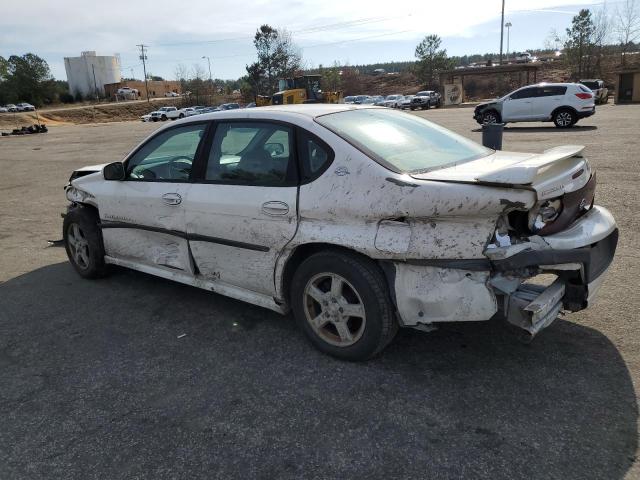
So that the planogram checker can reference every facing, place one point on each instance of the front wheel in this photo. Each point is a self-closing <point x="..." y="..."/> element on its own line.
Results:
<point x="83" y="242"/>
<point x="490" y="117"/>
<point x="564" y="118"/>
<point x="341" y="302"/>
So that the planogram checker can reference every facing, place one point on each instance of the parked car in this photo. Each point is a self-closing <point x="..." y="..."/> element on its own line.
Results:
<point x="392" y="101"/>
<point x="433" y="230"/>
<point x="600" y="92"/>
<point x="425" y="99"/>
<point x="562" y="103"/>
<point x="349" y="99"/>
<point x="128" y="91"/>
<point x="171" y="94"/>
<point x="405" y="103"/>
<point x="378" y="100"/>
<point x="251" y="105"/>
<point x="187" y="112"/>
<point x="4" y="109"/>
<point x="11" y="107"/>
<point x="524" y="57"/>
<point x="360" y="99"/>
<point x="25" y="107"/>
<point x="229" y="106"/>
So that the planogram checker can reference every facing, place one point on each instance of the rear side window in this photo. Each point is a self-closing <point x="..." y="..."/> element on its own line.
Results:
<point x="551" y="91"/>
<point x="251" y="153"/>
<point x="315" y="156"/>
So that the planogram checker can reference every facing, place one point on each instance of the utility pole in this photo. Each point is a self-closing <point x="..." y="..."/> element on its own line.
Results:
<point x="95" y="85"/>
<point x="501" y="32"/>
<point x="143" y="57"/>
<point x="508" y="25"/>
<point x="210" y="78"/>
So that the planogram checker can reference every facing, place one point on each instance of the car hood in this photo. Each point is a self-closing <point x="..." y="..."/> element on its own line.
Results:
<point x="551" y="173"/>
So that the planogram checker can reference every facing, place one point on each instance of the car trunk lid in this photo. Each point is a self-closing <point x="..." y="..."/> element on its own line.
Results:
<point x="551" y="173"/>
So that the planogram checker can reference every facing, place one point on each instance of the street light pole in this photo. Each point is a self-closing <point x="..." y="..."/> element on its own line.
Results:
<point x="508" y="25"/>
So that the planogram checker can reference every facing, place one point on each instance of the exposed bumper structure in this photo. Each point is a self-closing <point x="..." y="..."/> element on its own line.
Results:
<point x="472" y="290"/>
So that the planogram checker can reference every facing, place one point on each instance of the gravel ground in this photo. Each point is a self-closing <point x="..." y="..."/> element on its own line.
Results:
<point x="98" y="381"/>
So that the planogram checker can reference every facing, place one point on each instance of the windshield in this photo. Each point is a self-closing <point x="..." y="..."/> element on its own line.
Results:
<point x="400" y="141"/>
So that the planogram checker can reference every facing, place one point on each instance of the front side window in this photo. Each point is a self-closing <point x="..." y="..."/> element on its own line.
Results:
<point x="251" y="153"/>
<point x="168" y="156"/>
<point x="524" y="93"/>
<point x="402" y="142"/>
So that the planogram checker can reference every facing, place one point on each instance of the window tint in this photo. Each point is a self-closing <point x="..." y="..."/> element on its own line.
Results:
<point x="250" y="153"/>
<point x="551" y="91"/>
<point x="167" y="156"/>
<point x="524" y="93"/>
<point x="314" y="155"/>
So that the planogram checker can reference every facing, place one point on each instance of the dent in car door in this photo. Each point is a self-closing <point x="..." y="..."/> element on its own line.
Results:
<point x="239" y="222"/>
<point x="143" y="217"/>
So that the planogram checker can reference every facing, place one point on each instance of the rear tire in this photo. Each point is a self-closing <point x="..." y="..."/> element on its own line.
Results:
<point x="83" y="242"/>
<point x="564" y="118"/>
<point x="328" y="286"/>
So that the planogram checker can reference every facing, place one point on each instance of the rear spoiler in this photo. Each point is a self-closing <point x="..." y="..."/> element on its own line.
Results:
<point x="524" y="172"/>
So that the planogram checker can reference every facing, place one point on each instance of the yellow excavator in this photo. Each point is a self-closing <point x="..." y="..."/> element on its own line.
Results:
<point x="302" y="89"/>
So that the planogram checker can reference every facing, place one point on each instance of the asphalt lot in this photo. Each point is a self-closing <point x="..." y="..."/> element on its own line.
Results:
<point x="96" y="383"/>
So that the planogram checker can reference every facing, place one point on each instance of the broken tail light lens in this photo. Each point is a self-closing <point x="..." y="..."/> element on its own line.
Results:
<point x="546" y="213"/>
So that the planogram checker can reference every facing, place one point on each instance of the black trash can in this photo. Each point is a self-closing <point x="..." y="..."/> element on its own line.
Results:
<point x="492" y="135"/>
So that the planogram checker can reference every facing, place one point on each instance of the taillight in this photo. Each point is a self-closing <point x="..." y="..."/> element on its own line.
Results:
<point x="584" y="96"/>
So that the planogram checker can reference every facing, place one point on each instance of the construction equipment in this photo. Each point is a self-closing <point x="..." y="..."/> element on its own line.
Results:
<point x="302" y="89"/>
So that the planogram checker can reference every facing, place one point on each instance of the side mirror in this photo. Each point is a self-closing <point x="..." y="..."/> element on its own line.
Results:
<point x="113" y="171"/>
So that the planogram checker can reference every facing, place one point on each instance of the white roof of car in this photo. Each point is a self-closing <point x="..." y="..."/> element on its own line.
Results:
<point x="310" y="110"/>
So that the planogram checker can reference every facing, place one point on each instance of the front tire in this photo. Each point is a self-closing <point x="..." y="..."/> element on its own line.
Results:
<point x="490" y="117"/>
<point x="564" y="118"/>
<point x="83" y="242"/>
<point x="341" y="302"/>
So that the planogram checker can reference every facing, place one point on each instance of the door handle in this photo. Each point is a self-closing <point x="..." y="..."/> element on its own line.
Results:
<point x="172" y="199"/>
<point x="275" y="208"/>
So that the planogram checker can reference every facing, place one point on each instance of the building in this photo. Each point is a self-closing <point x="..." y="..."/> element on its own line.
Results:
<point x="88" y="73"/>
<point x="157" y="88"/>
<point x="627" y="86"/>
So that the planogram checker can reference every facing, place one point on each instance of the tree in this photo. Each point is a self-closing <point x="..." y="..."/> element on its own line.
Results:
<point x="278" y="57"/>
<point x="26" y="78"/>
<point x="627" y="26"/>
<point x="431" y="59"/>
<point x="579" y="43"/>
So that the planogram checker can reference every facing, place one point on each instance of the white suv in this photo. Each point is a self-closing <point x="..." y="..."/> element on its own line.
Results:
<point x="562" y="103"/>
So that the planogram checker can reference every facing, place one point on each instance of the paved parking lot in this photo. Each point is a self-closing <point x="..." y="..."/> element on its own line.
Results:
<point x="95" y="381"/>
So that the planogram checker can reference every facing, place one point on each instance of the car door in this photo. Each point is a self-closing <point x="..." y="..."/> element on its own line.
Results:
<point x="142" y="216"/>
<point x="242" y="209"/>
<point x="547" y="99"/>
<point x="518" y="105"/>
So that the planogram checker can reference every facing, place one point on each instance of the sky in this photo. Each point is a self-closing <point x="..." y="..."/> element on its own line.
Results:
<point x="349" y="32"/>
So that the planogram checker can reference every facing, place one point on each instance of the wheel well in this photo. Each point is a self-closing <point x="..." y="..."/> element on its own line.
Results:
<point x="302" y="252"/>
<point x="564" y="107"/>
<point x="494" y="111"/>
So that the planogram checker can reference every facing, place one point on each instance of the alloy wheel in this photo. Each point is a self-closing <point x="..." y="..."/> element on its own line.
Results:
<point x="334" y="309"/>
<point x="564" y="119"/>
<point x="79" y="246"/>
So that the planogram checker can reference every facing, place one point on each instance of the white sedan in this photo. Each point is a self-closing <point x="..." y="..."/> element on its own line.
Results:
<point x="359" y="219"/>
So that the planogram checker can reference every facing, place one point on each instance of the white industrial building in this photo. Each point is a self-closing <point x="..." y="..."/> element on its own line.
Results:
<point x="88" y="73"/>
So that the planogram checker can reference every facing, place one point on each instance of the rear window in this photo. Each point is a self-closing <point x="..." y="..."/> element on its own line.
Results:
<point x="402" y="142"/>
<point x="584" y="89"/>
<point x="591" y="85"/>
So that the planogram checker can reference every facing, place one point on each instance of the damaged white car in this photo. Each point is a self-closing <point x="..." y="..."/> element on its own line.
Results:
<point x="359" y="219"/>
